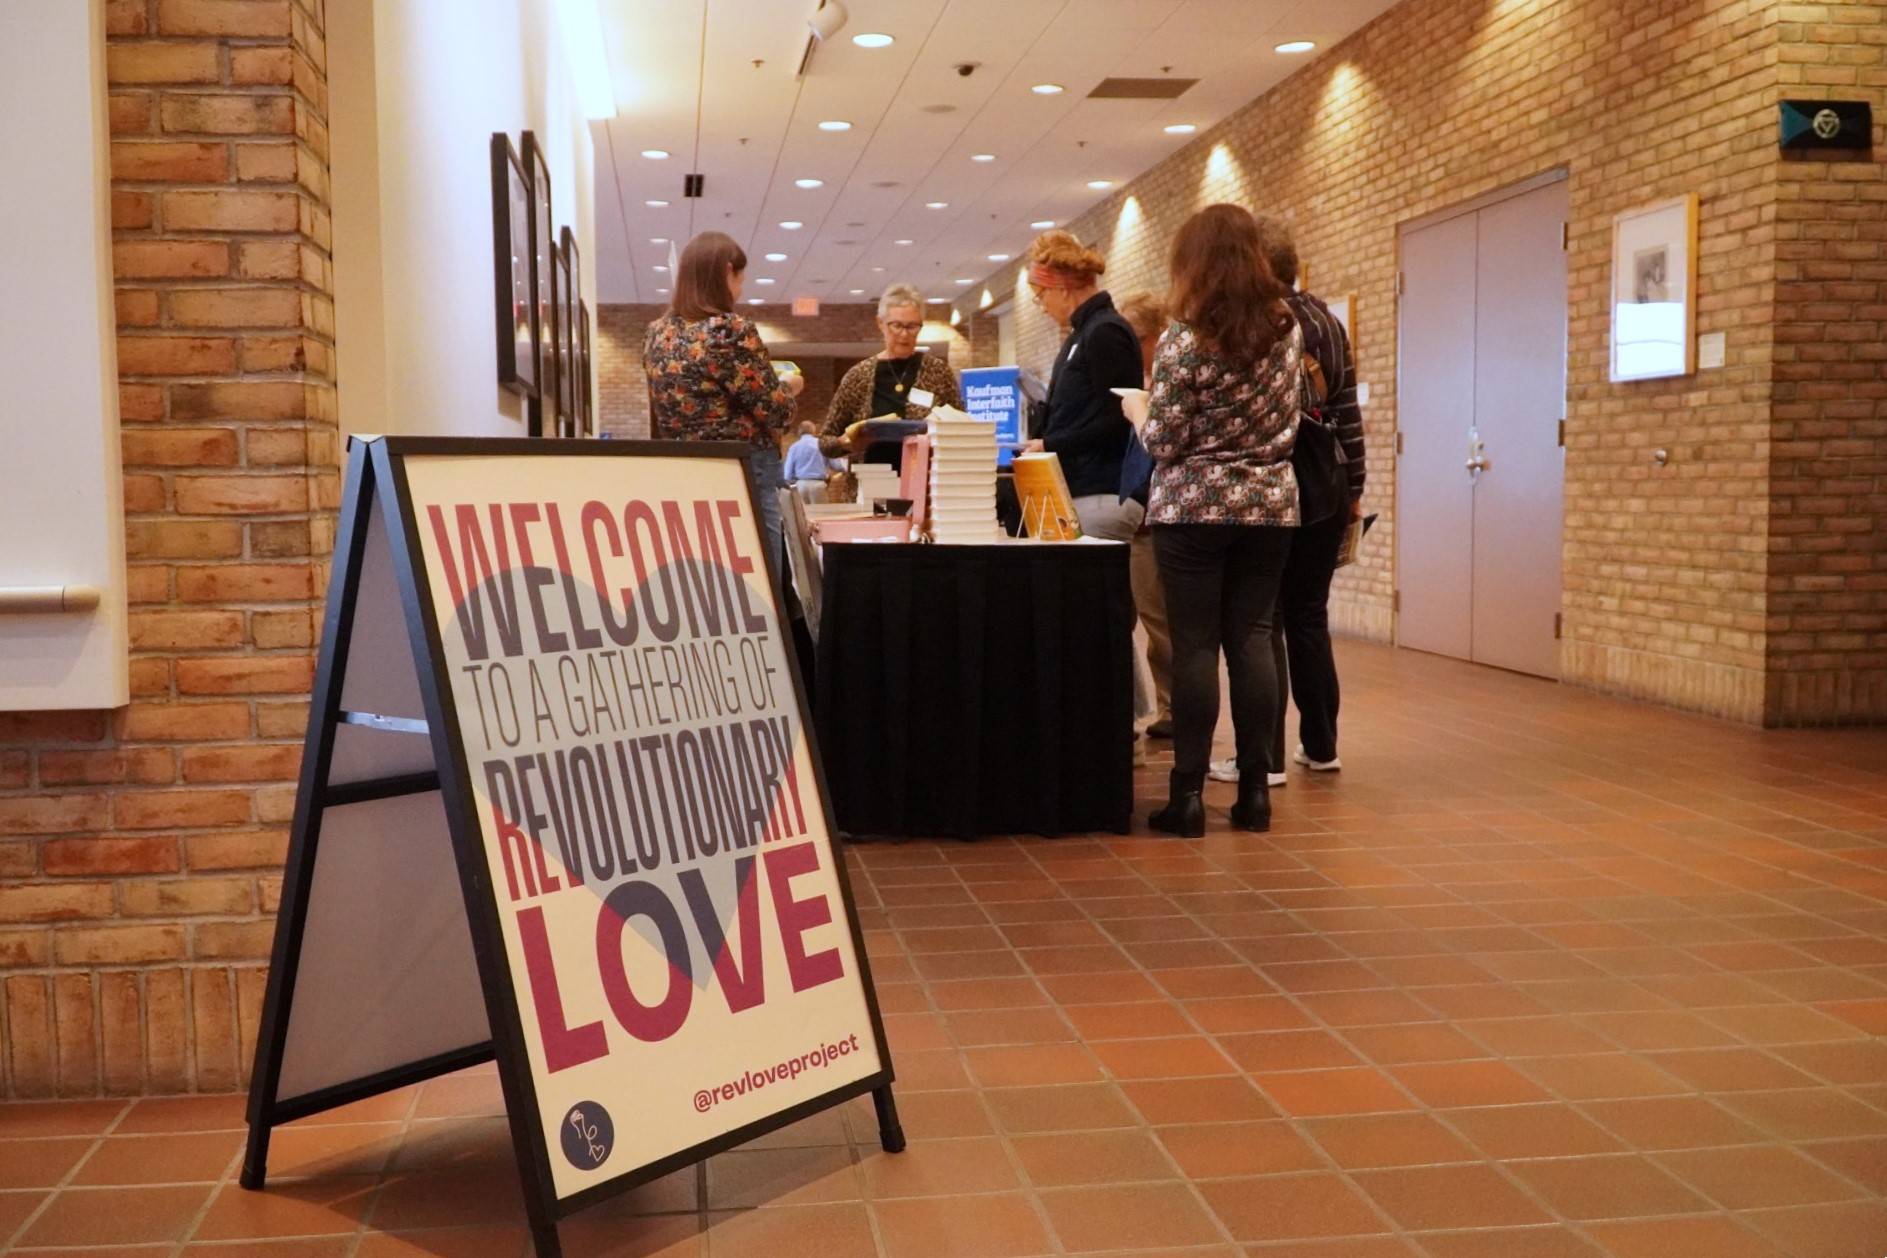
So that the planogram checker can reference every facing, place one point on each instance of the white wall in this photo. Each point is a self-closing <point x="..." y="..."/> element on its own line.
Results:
<point x="61" y="491"/>
<point x="416" y="89"/>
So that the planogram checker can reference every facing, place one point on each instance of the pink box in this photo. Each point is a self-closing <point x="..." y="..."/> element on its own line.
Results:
<point x="862" y="528"/>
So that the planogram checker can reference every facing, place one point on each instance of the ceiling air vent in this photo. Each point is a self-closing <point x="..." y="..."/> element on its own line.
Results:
<point x="1140" y="89"/>
<point x="691" y="185"/>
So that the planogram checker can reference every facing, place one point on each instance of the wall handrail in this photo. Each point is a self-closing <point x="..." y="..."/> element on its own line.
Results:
<point x="42" y="599"/>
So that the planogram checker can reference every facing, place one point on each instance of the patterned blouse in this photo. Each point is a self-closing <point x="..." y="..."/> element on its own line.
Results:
<point x="851" y="401"/>
<point x="711" y="380"/>
<point x="1221" y="433"/>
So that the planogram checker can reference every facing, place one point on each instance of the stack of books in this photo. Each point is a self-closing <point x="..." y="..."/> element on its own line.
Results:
<point x="875" y="481"/>
<point x="962" y="507"/>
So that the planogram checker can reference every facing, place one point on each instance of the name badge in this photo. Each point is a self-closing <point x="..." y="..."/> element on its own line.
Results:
<point x="923" y="398"/>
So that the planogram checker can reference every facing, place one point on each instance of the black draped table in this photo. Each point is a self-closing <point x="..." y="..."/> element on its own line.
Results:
<point x="966" y="690"/>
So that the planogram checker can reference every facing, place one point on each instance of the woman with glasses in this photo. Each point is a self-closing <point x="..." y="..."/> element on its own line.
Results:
<point x="901" y="381"/>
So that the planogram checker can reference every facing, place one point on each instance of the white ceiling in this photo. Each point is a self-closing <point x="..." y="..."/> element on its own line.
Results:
<point x="685" y="82"/>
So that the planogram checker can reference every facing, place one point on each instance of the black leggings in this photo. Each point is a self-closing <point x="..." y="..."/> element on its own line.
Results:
<point x="1221" y="583"/>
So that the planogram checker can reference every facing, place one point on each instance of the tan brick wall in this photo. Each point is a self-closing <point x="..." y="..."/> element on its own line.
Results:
<point x="1667" y="574"/>
<point x="1827" y="614"/>
<point x="140" y="850"/>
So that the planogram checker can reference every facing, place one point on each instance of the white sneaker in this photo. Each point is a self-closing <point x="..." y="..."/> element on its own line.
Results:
<point x="1316" y="766"/>
<point x="1227" y="771"/>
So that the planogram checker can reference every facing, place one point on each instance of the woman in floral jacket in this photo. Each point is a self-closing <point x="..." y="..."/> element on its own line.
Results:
<point x="710" y="378"/>
<point x="1222" y="419"/>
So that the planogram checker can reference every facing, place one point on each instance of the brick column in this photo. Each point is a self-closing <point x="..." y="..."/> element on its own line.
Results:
<point x="140" y="850"/>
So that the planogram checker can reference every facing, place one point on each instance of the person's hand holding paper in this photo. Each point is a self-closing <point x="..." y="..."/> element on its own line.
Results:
<point x="1133" y="404"/>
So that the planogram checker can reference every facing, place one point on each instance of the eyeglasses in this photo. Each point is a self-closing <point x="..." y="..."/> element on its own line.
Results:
<point x="908" y="329"/>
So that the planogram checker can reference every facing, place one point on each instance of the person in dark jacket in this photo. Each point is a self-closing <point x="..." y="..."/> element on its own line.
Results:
<point x="1084" y="424"/>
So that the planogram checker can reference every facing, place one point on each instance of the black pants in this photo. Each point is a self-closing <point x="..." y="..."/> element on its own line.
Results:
<point x="1221" y="584"/>
<point x="1301" y="635"/>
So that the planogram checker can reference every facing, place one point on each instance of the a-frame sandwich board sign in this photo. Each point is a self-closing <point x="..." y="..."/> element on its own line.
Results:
<point x="560" y="806"/>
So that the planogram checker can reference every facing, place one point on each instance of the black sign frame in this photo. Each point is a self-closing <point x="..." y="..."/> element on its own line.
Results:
<point x="376" y="481"/>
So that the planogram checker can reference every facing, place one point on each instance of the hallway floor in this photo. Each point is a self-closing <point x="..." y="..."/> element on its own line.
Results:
<point x="1539" y="975"/>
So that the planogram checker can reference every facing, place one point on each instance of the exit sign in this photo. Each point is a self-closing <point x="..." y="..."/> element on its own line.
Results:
<point x="805" y="307"/>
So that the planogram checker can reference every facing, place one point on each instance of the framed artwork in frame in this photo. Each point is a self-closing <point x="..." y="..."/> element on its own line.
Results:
<point x="511" y="269"/>
<point x="543" y="290"/>
<point x="567" y="272"/>
<point x="1654" y="290"/>
<point x="1343" y="309"/>
<point x="586" y="404"/>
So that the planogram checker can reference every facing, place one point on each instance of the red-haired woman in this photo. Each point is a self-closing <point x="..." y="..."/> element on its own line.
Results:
<point x="1221" y="422"/>
<point x="710" y="378"/>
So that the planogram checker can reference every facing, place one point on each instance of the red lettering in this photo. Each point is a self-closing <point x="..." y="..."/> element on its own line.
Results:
<point x="564" y="1045"/>
<point x="796" y="917"/>
<point x="649" y="1023"/>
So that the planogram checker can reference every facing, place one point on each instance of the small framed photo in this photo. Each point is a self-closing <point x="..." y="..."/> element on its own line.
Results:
<point x="1343" y="310"/>
<point x="1654" y="290"/>
<point x="586" y="386"/>
<point x="543" y="291"/>
<point x="511" y="269"/>
<point x="567" y="300"/>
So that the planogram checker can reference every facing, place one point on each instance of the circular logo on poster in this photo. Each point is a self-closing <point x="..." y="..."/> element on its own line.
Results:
<point x="588" y="1135"/>
<point x="1827" y="124"/>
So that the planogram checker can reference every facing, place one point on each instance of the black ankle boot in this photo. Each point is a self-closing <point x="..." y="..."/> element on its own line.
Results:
<point x="1252" y="811"/>
<point x="1185" y="811"/>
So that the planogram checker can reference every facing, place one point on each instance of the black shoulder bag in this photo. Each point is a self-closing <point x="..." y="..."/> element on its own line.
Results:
<point x="1323" y="487"/>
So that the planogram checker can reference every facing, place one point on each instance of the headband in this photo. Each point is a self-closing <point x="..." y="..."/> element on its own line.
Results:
<point x="1044" y="276"/>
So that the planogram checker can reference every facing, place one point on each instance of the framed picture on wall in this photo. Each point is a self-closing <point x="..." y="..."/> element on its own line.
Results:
<point x="1343" y="309"/>
<point x="511" y="269"/>
<point x="586" y="386"/>
<point x="567" y="297"/>
<point x="1654" y="290"/>
<point x="543" y="292"/>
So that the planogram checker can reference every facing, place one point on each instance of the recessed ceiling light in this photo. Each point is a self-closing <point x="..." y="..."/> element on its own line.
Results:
<point x="1296" y="45"/>
<point x="1098" y="184"/>
<point x="1042" y="224"/>
<point x="656" y="155"/>
<point x="764" y="280"/>
<point x="1047" y="89"/>
<point x="776" y="257"/>
<point x="656" y="205"/>
<point x="877" y="270"/>
<point x="809" y="183"/>
<point x="935" y="301"/>
<point x="904" y="242"/>
<point x="661" y="290"/>
<point x="1180" y="128"/>
<point x="662" y="270"/>
<point x="756" y="301"/>
<point x="982" y="157"/>
<point x="835" y="124"/>
<point x="998" y="257"/>
<point x="792" y="224"/>
<point x="858" y="292"/>
<point x="872" y="39"/>
<point x="966" y="281"/>
<point x="936" y="205"/>
<point x="658" y="240"/>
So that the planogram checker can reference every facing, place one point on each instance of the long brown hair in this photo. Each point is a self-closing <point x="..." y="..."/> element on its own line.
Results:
<point x="1223" y="286"/>
<point x="701" y="283"/>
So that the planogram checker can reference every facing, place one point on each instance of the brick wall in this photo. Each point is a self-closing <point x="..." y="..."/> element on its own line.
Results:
<point x="140" y="849"/>
<point x="1669" y="575"/>
<point x="1827" y="587"/>
<point x="623" y="390"/>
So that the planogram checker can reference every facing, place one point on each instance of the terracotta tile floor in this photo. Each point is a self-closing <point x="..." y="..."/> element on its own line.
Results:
<point x="1540" y="975"/>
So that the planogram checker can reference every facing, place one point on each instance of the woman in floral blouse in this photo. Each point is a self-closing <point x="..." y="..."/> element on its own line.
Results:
<point x="1222" y="418"/>
<point x="710" y="378"/>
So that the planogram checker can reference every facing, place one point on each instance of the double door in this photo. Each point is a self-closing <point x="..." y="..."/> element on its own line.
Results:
<point x="1481" y="389"/>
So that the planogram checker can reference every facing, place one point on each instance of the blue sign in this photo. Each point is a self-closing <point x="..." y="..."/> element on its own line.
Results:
<point x="995" y="393"/>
